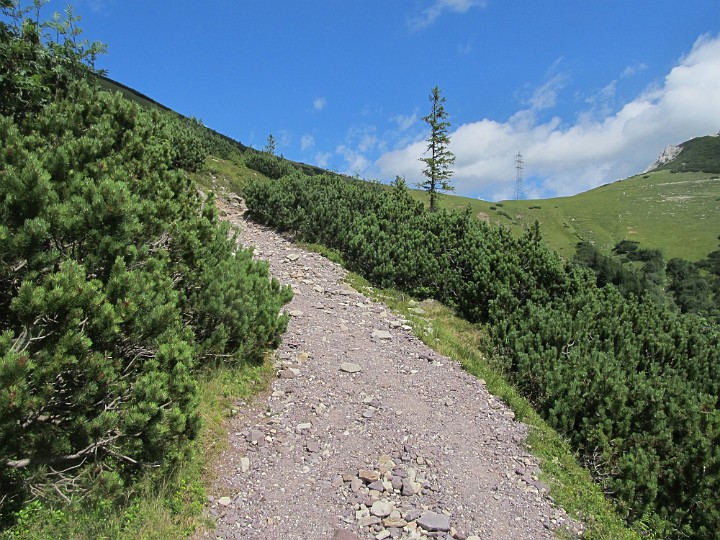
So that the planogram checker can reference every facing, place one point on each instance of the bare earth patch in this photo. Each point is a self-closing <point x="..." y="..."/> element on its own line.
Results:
<point x="367" y="432"/>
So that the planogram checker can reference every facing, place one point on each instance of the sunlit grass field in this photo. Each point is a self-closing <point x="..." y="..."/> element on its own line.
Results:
<point x="678" y="213"/>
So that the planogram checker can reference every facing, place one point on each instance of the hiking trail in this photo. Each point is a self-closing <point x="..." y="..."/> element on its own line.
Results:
<point x="366" y="432"/>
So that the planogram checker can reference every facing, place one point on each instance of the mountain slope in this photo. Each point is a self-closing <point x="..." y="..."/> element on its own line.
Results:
<point x="676" y="212"/>
<point x="676" y="207"/>
<point x="701" y="154"/>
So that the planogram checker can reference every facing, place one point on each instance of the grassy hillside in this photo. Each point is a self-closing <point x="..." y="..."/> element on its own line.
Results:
<point x="676" y="212"/>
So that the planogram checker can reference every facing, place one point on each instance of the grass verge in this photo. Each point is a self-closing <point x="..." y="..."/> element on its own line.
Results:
<point x="225" y="176"/>
<point x="154" y="509"/>
<point x="570" y="484"/>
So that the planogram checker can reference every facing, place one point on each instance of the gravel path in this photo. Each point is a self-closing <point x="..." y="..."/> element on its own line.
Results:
<point x="367" y="432"/>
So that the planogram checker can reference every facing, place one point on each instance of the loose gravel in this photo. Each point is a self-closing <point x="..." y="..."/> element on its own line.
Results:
<point x="368" y="433"/>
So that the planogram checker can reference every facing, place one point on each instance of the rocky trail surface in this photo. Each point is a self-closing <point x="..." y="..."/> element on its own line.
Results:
<point x="368" y="433"/>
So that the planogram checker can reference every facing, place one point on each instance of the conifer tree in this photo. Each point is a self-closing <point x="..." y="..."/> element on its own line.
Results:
<point x="271" y="145"/>
<point x="437" y="170"/>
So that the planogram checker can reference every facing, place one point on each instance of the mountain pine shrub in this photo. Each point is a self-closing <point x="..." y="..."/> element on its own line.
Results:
<point x="118" y="286"/>
<point x="632" y="384"/>
<point x="268" y="164"/>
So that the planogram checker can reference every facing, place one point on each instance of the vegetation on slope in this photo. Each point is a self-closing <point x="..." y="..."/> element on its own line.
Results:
<point x="701" y="154"/>
<point x="119" y="288"/>
<point x="632" y="385"/>
<point x="678" y="213"/>
<point x="688" y="287"/>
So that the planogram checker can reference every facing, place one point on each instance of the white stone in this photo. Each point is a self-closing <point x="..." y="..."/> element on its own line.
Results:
<point x="382" y="508"/>
<point x="349" y="367"/>
<point x="381" y="334"/>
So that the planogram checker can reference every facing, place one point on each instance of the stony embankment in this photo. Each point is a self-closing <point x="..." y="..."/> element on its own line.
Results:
<point x="368" y="433"/>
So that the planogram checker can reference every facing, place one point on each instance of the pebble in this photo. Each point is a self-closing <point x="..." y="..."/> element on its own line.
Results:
<point x="256" y="437"/>
<point x="381" y="334"/>
<point x="349" y="367"/>
<point x="368" y="521"/>
<point x="430" y="521"/>
<point x="312" y="447"/>
<point x="368" y="476"/>
<point x="382" y="508"/>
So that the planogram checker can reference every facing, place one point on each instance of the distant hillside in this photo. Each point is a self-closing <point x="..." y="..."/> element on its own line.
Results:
<point x="678" y="213"/>
<point x="701" y="154"/>
<point x="142" y="99"/>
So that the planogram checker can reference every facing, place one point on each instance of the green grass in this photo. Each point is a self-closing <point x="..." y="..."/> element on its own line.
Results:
<point x="152" y="510"/>
<point x="225" y="176"/>
<point x="676" y="212"/>
<point x="570" y="484"/>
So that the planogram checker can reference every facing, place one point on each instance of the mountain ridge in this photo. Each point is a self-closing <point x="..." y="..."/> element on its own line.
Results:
<point x="699" y="154"/>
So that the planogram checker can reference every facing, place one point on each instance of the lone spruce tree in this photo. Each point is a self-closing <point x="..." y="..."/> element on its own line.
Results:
<point x="438" y="158"/>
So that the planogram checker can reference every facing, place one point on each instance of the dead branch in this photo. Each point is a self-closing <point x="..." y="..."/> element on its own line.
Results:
<point x="85" y="452"/>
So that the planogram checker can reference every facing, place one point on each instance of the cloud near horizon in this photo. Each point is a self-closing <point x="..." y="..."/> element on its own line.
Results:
<point x="602" y="144"/>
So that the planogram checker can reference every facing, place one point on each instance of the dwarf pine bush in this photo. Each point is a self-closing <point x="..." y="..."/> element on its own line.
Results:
<point x="118" y="285"/>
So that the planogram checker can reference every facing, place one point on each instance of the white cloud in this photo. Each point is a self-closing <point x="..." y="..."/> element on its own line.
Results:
<point x="285" y="138"/>
<point x="307" y="141"/>
<point x="545" y="96"/>
<point x="601" y="104"/>
<point x="600" y="145"/>
<point x="322" y="159"/>
<point x="356" y="163"/>
<point x="405" y="121"/>
<point x="365" y="137"/>
<point x="97" y="6"/>
<point x="466" y="48"/>
<point x="319" y="103"/>
<point x="430" y="14"/>
<point x="360" y="141"/>
<point x="629" y="71"/>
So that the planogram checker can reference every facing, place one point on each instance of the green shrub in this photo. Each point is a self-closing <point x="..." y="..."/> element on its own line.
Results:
<point x="268" y="164"/>
<point x="117" y="285"/>
<point x="633" y="385"/>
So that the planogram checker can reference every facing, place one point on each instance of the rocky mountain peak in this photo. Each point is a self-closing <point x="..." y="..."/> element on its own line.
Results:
<point x="669" y="153"/>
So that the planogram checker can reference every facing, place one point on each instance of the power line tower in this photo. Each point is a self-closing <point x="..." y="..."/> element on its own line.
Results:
<point x="519" y="166"/>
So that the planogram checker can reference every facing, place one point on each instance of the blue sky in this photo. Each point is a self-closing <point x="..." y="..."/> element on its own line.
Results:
<point x="589" y="91"/>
